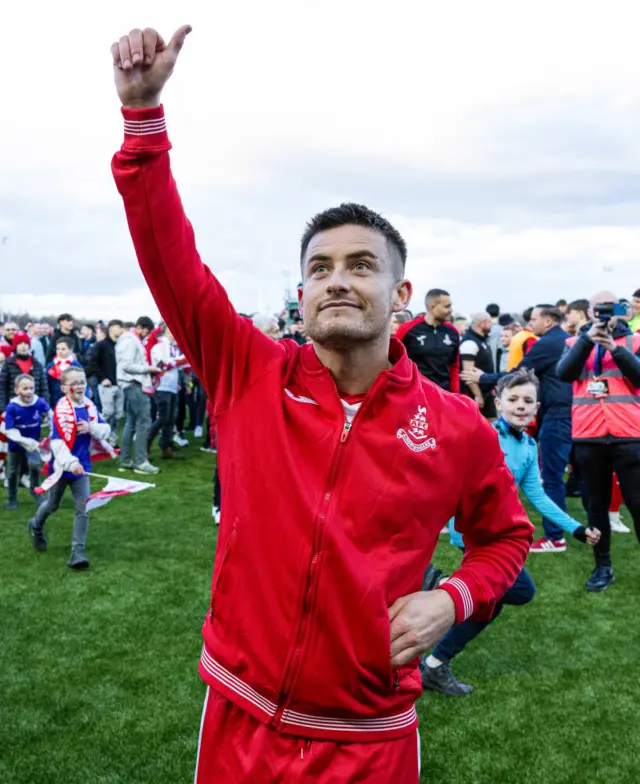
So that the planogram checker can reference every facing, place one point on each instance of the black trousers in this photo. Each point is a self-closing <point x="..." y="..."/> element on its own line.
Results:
<point x="166" y="410"/>
<point x="597" y="463"/>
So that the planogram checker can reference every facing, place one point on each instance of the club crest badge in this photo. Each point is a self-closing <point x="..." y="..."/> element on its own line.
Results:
<point x="416" y="437"/>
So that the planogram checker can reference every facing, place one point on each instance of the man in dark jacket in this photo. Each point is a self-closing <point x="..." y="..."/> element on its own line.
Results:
<point x="18" y="363"/>
<point x="554" y="419"/>
<point x="104" y="367"/>
<point x="65" y="330"/>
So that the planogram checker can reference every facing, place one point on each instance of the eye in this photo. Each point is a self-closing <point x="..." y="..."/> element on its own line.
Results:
<point x="361" y="266"/>
<point x="318" y="269"/>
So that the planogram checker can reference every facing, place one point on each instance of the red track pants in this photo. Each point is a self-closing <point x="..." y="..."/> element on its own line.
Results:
<point x="235" y="748"/>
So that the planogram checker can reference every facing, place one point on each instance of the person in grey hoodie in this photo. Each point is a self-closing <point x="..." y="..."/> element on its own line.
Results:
<point x="134" y="378"/>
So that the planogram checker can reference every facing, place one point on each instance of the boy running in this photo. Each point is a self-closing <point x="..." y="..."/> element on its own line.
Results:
<point x="76" y="421"/>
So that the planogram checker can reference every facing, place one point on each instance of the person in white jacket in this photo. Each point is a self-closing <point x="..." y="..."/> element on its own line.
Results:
<point x="134" y="378"/>
<point x="166" y="357"/>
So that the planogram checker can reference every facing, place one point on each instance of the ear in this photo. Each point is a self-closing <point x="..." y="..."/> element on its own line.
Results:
<point x="498" y="402"/>
<point x="537" y="407"/>
<point x="300" y="305"/>
<point x="404" y="292"/>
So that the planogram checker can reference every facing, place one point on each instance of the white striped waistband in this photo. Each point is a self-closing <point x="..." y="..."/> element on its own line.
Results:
<point x="305" y="720"/>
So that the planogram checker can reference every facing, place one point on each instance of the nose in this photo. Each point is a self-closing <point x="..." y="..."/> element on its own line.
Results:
<point x="339" y="280"/>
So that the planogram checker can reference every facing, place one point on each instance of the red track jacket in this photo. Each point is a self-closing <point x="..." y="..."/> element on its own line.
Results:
<point x="323" y="526"/>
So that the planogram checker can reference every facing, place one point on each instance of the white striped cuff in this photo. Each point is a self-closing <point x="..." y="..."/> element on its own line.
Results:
<point x="464" y="593"/>
<point x="145" y="127"/>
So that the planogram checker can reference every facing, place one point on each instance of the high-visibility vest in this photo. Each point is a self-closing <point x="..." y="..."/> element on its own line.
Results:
<point x="616" y="413"/>
<point x="517" y="347"/>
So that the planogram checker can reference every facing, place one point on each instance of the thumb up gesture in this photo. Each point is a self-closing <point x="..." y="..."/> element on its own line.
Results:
<point x="143" y="63"/>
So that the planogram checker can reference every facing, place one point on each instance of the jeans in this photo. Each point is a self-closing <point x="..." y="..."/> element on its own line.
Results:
<point x="80" y="491"/>
<point x="457" y="638"/>
<point x="597" y="464"/>
<point x="555" y="452"/>
<point x="95" y="392"/>
<point x="137" y="410"/>
<point x="112" y="400"/>
<point x="14" y="469"/>
<point x="167" y="410"/>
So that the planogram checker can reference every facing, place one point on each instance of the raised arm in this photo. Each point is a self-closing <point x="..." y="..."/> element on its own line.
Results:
<point x="226" y="351"/>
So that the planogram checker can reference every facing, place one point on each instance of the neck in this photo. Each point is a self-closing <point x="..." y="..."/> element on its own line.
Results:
<point x="355" y="369"/>
<point x="479" y="333"/>
<point x="519" y="428"/>
<point x="431" y="320"/>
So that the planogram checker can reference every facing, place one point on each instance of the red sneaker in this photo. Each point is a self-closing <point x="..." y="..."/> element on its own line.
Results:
<point x="544" y="545"/>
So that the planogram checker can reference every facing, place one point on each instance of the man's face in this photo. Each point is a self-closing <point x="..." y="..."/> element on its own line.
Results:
<point x="506" y="336"/>
<point x="518" y="405"/>
<point x="350" y="287"/>
<point x="636" y="306"/>
<point x="143" y="332"/>
<point x="539" y="324"/>
<point x="574" y="319"/>
<point x="86" y="333"/>
<point x="23" y="349"/>
<point x="9" y="331"/>
<point x="115" y="330"/>
<point x="66" y="326"/>
<point x="485" y="326"/>
<point x="441" y="308"/>
<point x="25" y="390"/>
<point x="63" y="351"/>
<point x="75" y="386"/>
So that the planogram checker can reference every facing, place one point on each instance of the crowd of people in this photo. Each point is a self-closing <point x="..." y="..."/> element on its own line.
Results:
<point x="143" y="387"/>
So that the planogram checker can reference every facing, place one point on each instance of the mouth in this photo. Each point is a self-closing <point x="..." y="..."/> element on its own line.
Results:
<point x="339" y="304"/>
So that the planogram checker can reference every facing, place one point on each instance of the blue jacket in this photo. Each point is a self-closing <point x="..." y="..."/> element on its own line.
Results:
<point x="555" y="395"/>
<point x="521" y="457"/>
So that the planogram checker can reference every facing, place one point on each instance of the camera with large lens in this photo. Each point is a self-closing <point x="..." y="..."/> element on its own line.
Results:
<point x="605" y="311"/>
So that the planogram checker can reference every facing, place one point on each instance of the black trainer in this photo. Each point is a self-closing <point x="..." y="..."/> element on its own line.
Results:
<point x="600" y="580"/>
<point x="38" y="539"/>
<point x="441" y="679"/>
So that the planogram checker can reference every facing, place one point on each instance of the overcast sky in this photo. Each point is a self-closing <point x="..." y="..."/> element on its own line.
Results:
<point x="501" y="137"/>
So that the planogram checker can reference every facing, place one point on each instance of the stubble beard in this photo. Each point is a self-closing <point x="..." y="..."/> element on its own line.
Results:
<point x="346" y="336"/>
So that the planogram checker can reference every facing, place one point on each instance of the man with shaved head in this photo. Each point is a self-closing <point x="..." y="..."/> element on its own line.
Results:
<point x="603" y="363"/>
<point x="475" y="352"/>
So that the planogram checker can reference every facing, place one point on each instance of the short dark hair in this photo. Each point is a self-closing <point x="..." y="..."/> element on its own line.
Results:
<point x="65" y="317"/>
<point x="115" y="323"/>
<point x="350" y="214"/>
<point x="145" y="323"/>
<point x="636" y="294"/>
<point x="561" y="303"/>
<point x="90" y="326"/>
<point x="493" y="310"/>
<point x="505" y="319"/>
<point x="63" y="339"/>
<point x="434" y="294"/>
<point x="580" y="304"/>
<point x="552" y="312"/>
<point x="526" y="315"/>
<point x="518" y="378"/>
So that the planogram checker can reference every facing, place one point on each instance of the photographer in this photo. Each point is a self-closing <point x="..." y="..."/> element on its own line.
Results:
<point x="604" y="365"/>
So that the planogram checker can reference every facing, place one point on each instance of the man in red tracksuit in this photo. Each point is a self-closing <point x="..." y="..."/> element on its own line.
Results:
<point x="317" y="621"/>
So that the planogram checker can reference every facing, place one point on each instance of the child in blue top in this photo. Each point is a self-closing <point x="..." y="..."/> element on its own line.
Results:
<point x="76" y="421"/>
<point x="23" y="422"/>
<point x="517" y="404"/>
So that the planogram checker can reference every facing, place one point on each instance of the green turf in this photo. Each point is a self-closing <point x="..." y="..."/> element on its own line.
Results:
<point x="98" y="670"/>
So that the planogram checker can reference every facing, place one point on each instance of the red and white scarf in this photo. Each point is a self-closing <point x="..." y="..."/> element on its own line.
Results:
<point x="59" y="366"/>
<point x="64" y="416"/>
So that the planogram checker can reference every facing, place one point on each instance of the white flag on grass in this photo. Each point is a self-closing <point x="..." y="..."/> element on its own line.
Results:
<point x="114" y="488"/>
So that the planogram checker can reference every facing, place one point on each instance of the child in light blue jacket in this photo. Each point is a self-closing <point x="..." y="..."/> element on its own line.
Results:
<point x="517" y="404"/>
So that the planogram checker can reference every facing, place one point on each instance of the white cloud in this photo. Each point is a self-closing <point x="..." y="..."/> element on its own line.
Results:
<point x="524" y="112"/>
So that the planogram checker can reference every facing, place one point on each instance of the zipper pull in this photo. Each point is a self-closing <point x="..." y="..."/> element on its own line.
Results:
<point x="345" y="432"/>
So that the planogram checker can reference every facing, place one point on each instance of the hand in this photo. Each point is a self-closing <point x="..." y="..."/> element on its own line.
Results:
<point x="471" y="376"/>
<point x="30" y="444"/>
<point x="601" y="336"/>
<point x="593" y="536"/>
<point x="480" y="401"/>
<point x="84" y="427"/>
<point x="417" y="622"/>
<point x="105" y="383"/>
<point x="143" y="63"/>
<point x="154" y="370"/>
<point x="78" y="470"/>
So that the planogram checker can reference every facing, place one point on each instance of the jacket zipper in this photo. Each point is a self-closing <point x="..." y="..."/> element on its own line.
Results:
<point x="306" y="607"/>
